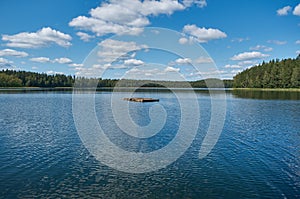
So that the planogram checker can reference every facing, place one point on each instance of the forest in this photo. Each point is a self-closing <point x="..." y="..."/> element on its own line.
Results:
<point x="274" y="74"/>
<point x="11" y="78"/>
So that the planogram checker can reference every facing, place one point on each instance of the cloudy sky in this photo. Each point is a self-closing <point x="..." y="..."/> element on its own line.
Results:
<point x="58" y="36"/>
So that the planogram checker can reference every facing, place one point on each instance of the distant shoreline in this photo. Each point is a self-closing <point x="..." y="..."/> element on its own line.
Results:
<point x="269" y="89"/>
<point x="141" y="88"/>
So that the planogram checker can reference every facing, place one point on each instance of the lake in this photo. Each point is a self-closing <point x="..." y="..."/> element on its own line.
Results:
<point x="257" y="154"/>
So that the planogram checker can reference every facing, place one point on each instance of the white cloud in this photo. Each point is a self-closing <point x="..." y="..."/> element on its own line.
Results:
<point x="261" y="47"/>
<point x="76" y="65"/>
<point x="13" y="53"/>
<point x="42" y="38"/>
<point x="284" y="11"/>
<point x="63" y="60"/>
<point x="249" y="56"/>
<point x="207" y="74"/>
<point x="298" y="52"/>
<point x="240" y="39"/>
<point x="277" y="42"/>
<point x="40" y="59"/>
<point x="187" y="61"/>
<point x="183" y="40"/>
<point x="183" y="61"/>
<point x="232" y="66"/>
<point x="297" y="10"/>
<point x="203" y="34"/>
<point x="111" y="50"/>
<point x="247" y="62"/>
<point x="124" y="16"/>
<point x="171" y="69"/>
<point x="51" y="72"/>
<point x="133" y="62"/>
<point x="297" y="42"/>
<point x="235" y="71"/>
<point x="203" y="60"/>
<point x="101" y="28"/>
<point x="5" y="61"/>
<point x="34" y="67"/>
<point x="199" y="3"/>
<point x="168" y="73"/>
<point x="84" y="36"/>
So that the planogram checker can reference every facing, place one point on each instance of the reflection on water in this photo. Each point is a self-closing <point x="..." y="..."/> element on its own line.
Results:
<point x="238" y="93"/>
<point x="267" y="95"/>
<point x="257" y="155"/>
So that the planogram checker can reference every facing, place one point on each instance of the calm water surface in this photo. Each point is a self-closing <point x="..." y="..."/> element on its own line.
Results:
<point x="257" y="155"/>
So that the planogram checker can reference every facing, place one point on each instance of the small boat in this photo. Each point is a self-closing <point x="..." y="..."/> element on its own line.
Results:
<point x="140" y="99"/>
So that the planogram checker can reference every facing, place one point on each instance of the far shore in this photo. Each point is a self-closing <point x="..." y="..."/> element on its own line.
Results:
<point x="143" y="88"/>
<point x="269" y="89"/>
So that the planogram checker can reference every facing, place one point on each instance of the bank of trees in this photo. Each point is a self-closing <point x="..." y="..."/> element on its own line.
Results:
<point x="11" y="78"/>
<point x="274" y="74"/>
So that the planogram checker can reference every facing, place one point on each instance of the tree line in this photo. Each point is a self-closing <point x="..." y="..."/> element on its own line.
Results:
<point x="274" y="74"/>
<point x="12" y="78"/>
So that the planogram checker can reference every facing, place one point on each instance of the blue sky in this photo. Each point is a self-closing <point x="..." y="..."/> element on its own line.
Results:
<point x="58" y="36"/>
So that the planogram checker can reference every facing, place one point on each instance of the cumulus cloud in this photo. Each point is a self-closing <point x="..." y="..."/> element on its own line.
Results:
<point x="63" y="60"/>
<point x="277" y="42"/>
<point x="187" y="61"/>
<point x="207" y="74"/>
<point x="111" y="50"/>
<point x="199" y="3"/>
<point x="203" y="60"/>
<point x="183" y="40"/>
<point x="297" y="42"/>
<point x="202" y="34"/>
<point x="249" y="56"/>
<point x="133" y="62"/>
<point x="297" y="10"/>
<point x="5" y="61"/>
<point x="171" y="69"/>
<point x="261" y="47"/>
<point x="247" y="62"/>
<point x="84" y="36"/>
<point x="240" y="39"/>
<point x="76" y="65"/>
<point x="183" y="61"/>
<point x="232" y="66"/>
<point x="124" y="16"/>
<point x="51" y="72"/>
<point x="40" y="59"/>
<point x="284" y="11"/>
<point x="168" y="73"/>
<point x="128" y="16"/>
<point x="42" y="38"/>
<point x="13" y="53"/>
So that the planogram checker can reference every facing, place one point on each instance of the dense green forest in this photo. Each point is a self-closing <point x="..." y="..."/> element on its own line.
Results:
<point x="11" y="78"/>
<point x="274" y="74"/>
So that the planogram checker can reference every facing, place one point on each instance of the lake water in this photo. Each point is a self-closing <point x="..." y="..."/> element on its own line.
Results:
<point x="257" y="154"/>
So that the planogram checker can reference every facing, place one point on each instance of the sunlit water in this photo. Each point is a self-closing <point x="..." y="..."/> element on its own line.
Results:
<point x="257" y="155"/>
